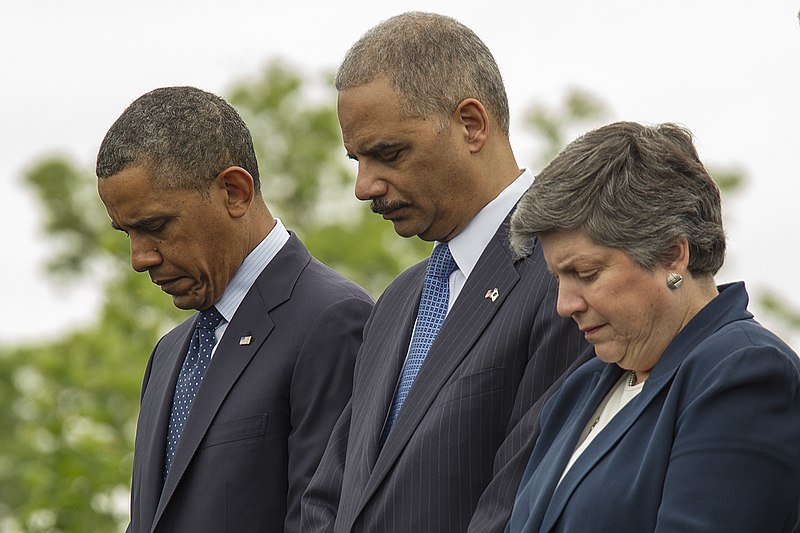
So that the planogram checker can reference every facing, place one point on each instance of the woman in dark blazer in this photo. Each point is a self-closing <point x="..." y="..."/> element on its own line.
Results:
<point x="688" y="419"/>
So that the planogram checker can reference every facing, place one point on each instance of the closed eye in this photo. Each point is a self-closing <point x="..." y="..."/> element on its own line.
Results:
<point x="385" y="157"/>
<point x="587" y="276"/>
<point x="384" y="151"/>
<point x="390" y="157"/>
<point x="151" y="226"/>
<point x="154" y="230"/>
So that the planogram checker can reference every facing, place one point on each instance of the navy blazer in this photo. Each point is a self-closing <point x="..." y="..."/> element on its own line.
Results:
<point x="712" y="443"/>
<point x="455" y="455"/>
<point x="264" y="410"/>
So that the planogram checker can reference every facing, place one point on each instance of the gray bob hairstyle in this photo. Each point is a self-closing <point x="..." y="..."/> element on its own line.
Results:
<point x="640" y="189"/>
<point x="186" y="135"/>
<point x="434" y="62"/>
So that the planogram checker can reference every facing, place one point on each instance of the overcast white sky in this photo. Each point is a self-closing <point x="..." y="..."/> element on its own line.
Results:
<point x="727" y="69"/>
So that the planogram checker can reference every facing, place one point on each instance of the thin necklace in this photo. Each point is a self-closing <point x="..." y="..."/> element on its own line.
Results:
<point x="631" y="383"/>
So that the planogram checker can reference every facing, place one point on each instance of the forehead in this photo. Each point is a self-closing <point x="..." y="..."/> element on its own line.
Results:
<point x="374" y="111"/>
<point x="364" y="101"/>
<point x="130" y="195"/>
<point x="127" y="184"/>
<point x="563" y="250"/>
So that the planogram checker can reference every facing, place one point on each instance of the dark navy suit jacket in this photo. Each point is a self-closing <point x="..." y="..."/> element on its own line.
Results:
<point x="712" y="443"/>
<point x="265" y="408"/>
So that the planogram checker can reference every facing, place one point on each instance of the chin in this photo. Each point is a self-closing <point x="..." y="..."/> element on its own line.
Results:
<point x="605" y="356"/>
<point x="430" y="236"/>
<point x="180" y="304"/>
<point x="404" y="231"/>
<point x="188" y="302"/>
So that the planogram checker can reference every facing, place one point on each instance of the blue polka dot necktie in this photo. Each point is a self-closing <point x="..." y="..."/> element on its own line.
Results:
<point x="192" y="372"/>
<point x="432" y="310"/>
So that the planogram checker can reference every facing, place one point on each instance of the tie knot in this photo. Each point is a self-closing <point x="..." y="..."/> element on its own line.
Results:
<point x="441" y="264"/>
<point x="209" y="319"/>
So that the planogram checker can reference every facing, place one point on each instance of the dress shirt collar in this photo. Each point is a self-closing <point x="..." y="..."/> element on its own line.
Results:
<point x="468" y="245"/>
<point x="251" y="267"/>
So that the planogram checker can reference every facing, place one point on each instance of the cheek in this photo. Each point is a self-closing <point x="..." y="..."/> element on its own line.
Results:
<point x="640" y="321"/>
<point x="440" y="199"/>
<point x="189" y="255"/>
<point x="181" y="259"/>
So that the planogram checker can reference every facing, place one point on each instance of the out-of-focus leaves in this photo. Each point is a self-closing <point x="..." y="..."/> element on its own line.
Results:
<point x="555" y="127"/>
<point x="71" y="217"/>
<point x="728" y="180"/>
<point x="778" y="308"/>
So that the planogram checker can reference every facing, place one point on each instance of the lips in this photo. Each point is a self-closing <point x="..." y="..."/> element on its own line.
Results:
<point x="591" y="331"/>
<point x="393" y="213"/>
<point x="167" y="285"/>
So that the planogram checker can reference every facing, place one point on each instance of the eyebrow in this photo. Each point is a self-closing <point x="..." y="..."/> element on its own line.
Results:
<point x="380" y="147"/>
<point x="569" y="263"/>
<point x="142" y="223"/>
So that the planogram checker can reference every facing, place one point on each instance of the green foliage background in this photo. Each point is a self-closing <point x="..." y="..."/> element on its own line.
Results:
<point x="70" y="405"/>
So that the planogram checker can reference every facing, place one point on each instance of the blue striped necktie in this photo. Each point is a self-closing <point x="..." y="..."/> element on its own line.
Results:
<point x="432" y="310"/>
<point x="194" y="368"/>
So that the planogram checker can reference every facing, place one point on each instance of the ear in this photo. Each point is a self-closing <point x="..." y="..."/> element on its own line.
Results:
<point x="680" y="257"/>
<point x="238" y="189"/>
<point x="473" y="120"/>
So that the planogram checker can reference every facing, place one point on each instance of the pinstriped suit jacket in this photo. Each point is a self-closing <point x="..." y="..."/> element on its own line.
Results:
<point x="475" y="395"/>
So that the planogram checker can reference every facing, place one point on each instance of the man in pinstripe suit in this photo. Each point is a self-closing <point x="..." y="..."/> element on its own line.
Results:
<point x="423" y="110"/>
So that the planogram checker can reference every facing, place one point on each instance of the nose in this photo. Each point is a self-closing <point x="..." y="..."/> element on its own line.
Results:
<point x="569" y="301"/>
<point x="368" y="184"/>
<point x="144" y="254"/>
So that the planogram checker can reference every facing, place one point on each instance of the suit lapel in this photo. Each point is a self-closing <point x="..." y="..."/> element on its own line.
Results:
<point x="545" y="478"/>
<point x="272" y="287"/>
<point x="727" y="307"/>
<point x="228" y="362"/>
<point x="607" y="438"/>
<point x="396" y="347"/>
<point x="155" y="409"/>
<point x="539" y="483"/>
<point x="464" y="324"/>
<point x="387" y="334"/>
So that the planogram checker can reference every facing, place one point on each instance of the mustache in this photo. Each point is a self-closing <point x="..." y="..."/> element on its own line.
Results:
<point x="382" y="206"/>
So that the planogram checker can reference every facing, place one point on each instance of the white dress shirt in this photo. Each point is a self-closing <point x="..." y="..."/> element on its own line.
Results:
<point x="252" y="266"/>
<point x="467" y="246"/>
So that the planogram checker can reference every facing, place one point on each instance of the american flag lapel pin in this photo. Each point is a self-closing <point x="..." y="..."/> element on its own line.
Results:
<point x="244" y="341"/>
<point x="492" y="294"/>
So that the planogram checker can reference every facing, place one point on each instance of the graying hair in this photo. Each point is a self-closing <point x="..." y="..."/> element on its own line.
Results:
<point x="434" y="62"/>
<point x="636" y="188"/>
<point x="186" y="136"/>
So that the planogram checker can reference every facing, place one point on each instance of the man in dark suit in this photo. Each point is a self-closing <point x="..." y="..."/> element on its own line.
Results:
<point x="437" y="432"/>
<point x="239" y="400"/>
